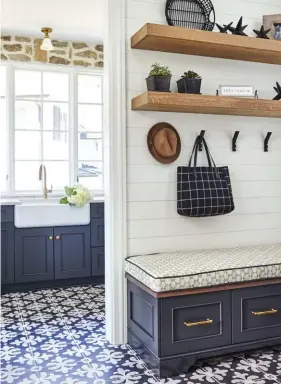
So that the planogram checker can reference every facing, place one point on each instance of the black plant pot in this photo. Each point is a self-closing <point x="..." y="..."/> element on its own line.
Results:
<point x="188" y="85"/>
<point x="158" y="83"/>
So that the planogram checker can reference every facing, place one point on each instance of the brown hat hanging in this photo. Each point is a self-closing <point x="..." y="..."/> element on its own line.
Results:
<point x="164" y="143"/>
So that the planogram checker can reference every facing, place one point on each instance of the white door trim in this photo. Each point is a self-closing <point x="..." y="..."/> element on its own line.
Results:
<point x="115" y="171"/>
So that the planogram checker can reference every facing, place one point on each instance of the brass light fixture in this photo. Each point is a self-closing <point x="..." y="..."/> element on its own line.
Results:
<point x="46" y="43"/>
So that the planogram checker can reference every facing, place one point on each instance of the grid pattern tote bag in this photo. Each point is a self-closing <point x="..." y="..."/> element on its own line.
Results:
<point x="203" y="191"/>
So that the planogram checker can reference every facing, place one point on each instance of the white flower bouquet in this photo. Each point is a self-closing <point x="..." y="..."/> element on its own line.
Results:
<point x="76" y="195"/>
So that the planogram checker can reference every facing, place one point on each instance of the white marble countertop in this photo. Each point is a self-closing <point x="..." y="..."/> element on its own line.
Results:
<point x="98" y="199"/>
<point x="9" y="201"/>
<point x="15" y="201"/>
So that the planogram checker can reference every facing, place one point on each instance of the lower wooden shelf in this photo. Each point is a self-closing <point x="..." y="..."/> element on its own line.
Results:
<point x="204" y="104"/>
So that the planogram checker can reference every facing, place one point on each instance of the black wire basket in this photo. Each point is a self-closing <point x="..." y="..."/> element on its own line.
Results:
<point x="194" y="14"/>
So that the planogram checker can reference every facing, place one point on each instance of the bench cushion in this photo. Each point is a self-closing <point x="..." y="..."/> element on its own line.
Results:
<point x="205" y="268"/>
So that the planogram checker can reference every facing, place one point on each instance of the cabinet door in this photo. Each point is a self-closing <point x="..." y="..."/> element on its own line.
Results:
<point x="7" y="253"/>
<point x="97" y="261"/>
<point x="72" y="252"/>
<point x="34" y="259"/>
<point x="97" y="232"/>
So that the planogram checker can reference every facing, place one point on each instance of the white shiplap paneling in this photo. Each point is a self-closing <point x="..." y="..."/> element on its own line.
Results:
<point x="153" y="223"/>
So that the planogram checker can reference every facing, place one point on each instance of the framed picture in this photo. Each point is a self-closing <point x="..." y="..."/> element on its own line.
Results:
<point x="273" y="22"/>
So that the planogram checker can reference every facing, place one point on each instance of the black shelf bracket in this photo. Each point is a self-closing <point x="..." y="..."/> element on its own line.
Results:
<point x="234" y="140"/>
<point x="266" y="140"/>
<point x="202" y="133"/>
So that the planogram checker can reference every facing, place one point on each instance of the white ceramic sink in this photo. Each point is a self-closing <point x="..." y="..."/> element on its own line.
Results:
<point x="49" y="213"/>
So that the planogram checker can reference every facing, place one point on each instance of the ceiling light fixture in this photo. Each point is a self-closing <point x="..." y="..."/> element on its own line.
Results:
<point x="46" y="43"/>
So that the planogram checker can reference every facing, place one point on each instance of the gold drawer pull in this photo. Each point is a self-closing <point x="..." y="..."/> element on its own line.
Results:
<point x="204" y="322"/>
<point x="268" y="312"/>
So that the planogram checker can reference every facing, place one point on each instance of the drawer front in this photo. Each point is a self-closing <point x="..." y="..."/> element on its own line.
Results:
<point x="97" y="232"/>
<point x="256" y="313"/>
<point x="97" y="210"/>
<point x="98" y="266"/>
<point x="195" y="322"/>
<point x="7" y="214"/>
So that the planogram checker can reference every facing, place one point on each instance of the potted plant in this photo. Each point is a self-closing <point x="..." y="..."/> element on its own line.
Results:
<point x="190" y="82"/>
<point x="159" y="78"/>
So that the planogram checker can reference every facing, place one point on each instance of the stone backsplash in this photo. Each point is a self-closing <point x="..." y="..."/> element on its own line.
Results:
<point x="78" y="53"/>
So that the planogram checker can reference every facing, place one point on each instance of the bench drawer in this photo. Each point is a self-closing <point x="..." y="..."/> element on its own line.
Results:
<point x="7" y="214"/>
<point x="195" y="322"/>
<point x="256" y="313"/>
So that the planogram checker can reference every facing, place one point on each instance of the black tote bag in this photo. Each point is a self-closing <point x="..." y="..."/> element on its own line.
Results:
<point x="203" y="191"/>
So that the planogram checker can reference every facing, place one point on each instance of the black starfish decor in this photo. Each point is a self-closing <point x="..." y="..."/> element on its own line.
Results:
<point x="262" y="34"/>
<point x="278" y="90"/>
<point x="239" y="29"/>
<point x="225" y="27"/>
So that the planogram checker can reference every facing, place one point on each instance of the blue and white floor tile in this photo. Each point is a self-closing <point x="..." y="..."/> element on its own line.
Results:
<point x="57" y="336"/>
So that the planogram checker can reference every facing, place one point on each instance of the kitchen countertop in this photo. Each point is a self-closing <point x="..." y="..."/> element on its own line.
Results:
<point x="14" y="201"/>
<point x="9" y="201"/>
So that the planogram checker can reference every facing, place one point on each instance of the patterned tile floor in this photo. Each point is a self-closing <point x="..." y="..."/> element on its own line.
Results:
<point x="58" y="336"/>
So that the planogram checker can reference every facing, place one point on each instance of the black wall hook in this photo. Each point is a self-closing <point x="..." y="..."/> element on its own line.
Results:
<point x="266" y="140"/>
<point x="234" y="139"/>
<point x="202" y="133"/>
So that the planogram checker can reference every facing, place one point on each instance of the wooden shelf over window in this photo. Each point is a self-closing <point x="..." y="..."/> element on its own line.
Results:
<point x="214" y="105"/>
<point x="164" y="38"/>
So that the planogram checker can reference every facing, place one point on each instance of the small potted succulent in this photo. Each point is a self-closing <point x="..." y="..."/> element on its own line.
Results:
<point x="190" y="82"/>
<point x="159" y="78"/>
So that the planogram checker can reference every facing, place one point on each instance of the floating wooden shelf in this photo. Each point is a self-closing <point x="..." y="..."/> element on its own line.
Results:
<point x="164" y="38"/>
<point x="214" y="105"/>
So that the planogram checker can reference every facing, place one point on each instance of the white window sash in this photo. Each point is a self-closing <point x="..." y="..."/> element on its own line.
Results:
<point x="72" y="123"/>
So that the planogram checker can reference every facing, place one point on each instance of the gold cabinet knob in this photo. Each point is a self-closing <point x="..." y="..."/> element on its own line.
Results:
<point x="50" y="237"/>
<point x="57" y="237"/>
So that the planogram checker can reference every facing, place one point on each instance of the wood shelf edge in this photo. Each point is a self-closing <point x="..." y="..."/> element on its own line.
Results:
<point x="165" y="38"/>
<point x="206" y="104"/>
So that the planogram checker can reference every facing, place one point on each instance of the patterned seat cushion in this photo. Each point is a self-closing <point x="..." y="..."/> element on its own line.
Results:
<point x="205" y="268"/>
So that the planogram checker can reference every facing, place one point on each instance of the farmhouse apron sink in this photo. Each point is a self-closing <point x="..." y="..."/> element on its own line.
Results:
<point x="49" y="213"/>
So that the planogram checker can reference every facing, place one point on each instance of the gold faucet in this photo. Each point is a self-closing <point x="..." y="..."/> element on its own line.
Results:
<point x="45" y="190"/>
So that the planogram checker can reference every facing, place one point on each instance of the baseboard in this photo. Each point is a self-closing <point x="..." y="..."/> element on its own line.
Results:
<point x="21" y="287"/>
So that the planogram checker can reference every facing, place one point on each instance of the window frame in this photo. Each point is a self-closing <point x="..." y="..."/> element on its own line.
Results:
<point x="73" y="103"/>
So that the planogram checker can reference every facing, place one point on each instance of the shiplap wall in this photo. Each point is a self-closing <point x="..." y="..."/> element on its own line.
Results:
<point x="153" y="222"/>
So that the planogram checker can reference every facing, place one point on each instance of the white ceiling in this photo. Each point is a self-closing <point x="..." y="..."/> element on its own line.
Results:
<point x="70" y="19"/>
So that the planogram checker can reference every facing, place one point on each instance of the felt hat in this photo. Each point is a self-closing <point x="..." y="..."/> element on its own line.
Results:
<point x="164" y="143"/>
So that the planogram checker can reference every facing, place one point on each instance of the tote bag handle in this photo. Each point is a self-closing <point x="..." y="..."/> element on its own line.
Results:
<point x="195" y="150"/>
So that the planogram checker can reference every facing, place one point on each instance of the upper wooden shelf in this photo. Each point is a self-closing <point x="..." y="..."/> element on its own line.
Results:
<point x="214" y="105"/>
<point x="164" y="38"/>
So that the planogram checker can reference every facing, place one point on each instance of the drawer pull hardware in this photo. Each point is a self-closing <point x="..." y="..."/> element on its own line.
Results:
<point x="268" y="312"/>
<point x="57" y="237"/>
<point x="204" y="322"/>
<point x="50" y="237"/>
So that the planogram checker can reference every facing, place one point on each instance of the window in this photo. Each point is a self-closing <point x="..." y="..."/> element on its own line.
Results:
<point x="54" y="118"/>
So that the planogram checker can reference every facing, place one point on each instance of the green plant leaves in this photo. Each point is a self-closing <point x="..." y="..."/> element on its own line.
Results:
<point x="191" y="75"/>
<point x="64" y="200"/>
<point x="68" y="191"/>
<point x="159" y="70"/>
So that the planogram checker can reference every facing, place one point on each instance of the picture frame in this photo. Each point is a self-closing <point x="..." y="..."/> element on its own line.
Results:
<point x="237" y="90"/>
<point x="273" y="22"/>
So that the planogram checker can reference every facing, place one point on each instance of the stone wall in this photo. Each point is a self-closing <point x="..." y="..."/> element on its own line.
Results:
<point x="78" y="53"/>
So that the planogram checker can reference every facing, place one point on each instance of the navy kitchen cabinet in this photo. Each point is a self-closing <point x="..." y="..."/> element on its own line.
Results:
<point x="97" y="261"/>
<point x="46" y="254"/>
<point x="97" y="232"/>
<point x="97" y="239"/>
<point x="7" y="253"/>
<point x="72" y="252"/>
<point x="34" y="259"/>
